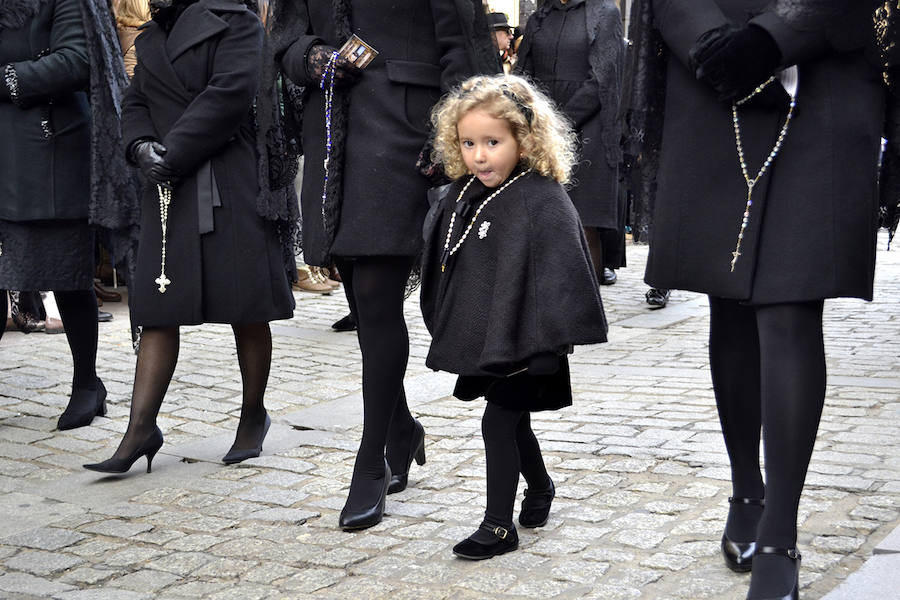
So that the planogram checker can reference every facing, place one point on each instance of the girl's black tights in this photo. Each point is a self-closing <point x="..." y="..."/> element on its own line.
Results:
<point x="510" y="448"/>
<point x="375" y="288"/>
<point x="768" y="370"/>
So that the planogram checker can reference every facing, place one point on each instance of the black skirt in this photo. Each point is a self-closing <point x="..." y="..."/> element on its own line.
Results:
<point x="46" y="255"/>
<point x="520" y="391"/>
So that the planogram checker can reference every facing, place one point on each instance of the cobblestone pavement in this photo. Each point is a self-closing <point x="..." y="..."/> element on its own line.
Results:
<point x="640" y="468"/>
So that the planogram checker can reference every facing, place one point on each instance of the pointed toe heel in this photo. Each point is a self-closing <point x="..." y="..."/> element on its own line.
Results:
<point x="122" y="465"/>
<point x="82" y="409"/>
<point x="236" y="455"/>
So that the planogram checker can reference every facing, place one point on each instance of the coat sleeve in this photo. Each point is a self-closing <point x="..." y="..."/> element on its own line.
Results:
<point x="681" y="22"/>
<point x="216" y="113"/>
<point x="454" y="46"/>
<point x="136" y="121"/>
<point x="293" y="38"/>
<point x="65" y="68"/>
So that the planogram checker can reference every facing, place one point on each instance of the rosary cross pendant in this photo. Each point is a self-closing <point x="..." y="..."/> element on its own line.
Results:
<point x="162" y="281"/>
<point x="734" y="260"/>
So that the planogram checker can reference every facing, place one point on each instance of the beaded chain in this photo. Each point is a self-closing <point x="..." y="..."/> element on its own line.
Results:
<point x="328" y="75"/>
<point x="448" y="251"/>
<point x="751" y="183"/>
<point x="165" y="198"/>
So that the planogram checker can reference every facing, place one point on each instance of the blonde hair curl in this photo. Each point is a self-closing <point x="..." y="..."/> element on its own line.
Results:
<point x="547" y="142"/>
<point x="131" y="13"/>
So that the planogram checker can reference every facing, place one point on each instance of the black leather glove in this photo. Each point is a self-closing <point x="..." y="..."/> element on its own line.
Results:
<point x="345" y="73"/>
<point x="734" y="60"/>
<point x="150" y="158"/>
<point x="545" y="363"/>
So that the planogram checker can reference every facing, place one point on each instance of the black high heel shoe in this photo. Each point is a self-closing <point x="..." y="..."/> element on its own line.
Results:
<point x="535" y="510"/>
<point x="503" y="540"/>
<point x="236" y="455"/>
<point x="121" y="465"/>
<point x="417" y="452"/>
<point x="82" y="409"/>
<point x="739" y="555"/>
<point x="794" y="555"/>
<point x="364" y="518"/>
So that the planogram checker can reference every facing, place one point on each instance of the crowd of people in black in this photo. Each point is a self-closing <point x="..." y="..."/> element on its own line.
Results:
<point x="499" y="165"/>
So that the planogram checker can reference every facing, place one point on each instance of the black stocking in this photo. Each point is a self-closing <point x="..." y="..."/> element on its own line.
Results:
<point x="254" y="350"/>
<point x="510" y="447"/>
<point x="595" y="247"/>
<point x="4" y="306"/>
<point x="734" y="363"/>
<point x="375" y="288"/>
<point x="792" y="356"/>
<point x="78" y="311"/>
<point x="157" y="357"/>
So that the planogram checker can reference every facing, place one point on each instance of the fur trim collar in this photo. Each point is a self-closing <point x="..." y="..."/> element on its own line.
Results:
<point x="15" y="13"/>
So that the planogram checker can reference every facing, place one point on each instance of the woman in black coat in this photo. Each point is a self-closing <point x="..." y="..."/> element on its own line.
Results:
<point x="767" y="254"/>
<point x="46" y="242"/>
<point x="575" y="49"/>
<point x="188" y="120"/>
<point x="367" y="213"/>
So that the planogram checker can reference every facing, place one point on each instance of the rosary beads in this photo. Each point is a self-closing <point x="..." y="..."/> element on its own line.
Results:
<point x="751" y="183"/>
<point x="165" y="198"/>
<point x="448" y="251"/>
<point x="328" y="76"/>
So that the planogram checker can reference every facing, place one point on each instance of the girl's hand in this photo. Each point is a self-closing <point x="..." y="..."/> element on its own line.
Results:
<point x="345" y="73"/>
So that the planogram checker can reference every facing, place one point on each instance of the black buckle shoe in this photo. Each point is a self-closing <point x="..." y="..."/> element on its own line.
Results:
<point x="794" y="555"/>
<point x="739" y="555"/>
<point x="535" y="510"/>
<point x="506" y="540"/>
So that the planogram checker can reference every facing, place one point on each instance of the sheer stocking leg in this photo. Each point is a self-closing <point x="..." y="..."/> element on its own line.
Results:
<point x="254" y="350"/>
<point x="157" y="357"/>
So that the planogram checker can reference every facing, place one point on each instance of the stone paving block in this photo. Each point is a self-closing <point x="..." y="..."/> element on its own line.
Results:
<point x="878" y="578"/>
<point x="144" y="580"/>
<point x="23" y="583"/>
<point x="117" y="528"/>
<point x="45" y="538"/>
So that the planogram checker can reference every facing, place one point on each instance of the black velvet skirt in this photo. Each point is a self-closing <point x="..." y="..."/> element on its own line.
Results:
<point x="520" y="391"/>
<point x="55" y="255"/>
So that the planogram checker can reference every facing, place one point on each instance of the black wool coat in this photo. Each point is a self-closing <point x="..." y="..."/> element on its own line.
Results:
<point x="194" y="92"/>
<point x="593" y="109"/>
<point x="425" y="47"/>
<point x="521" y="283"/>
<point x="45" y="140"/>
<point x="811" y="232"/>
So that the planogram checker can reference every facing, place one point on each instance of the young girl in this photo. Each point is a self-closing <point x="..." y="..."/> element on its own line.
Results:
<point x="507" y="284"/>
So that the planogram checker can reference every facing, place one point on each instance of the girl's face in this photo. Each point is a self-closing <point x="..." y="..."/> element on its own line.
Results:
<point x="489" y="148"/>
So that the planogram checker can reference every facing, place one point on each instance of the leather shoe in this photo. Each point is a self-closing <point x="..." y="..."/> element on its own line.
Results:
<point x="364" y="518"/>
<point x="416" y="452"/>
<point x="535" y="510"/>
<point x="347" y="323"/>
<point x="657" y="297"/>
<point x="794" y="555"/>
<point x="609" y="276"/>
<point x="307" y="281"/>
<point x="105" y="294"/>
<point x="236" y="455"/>
<point x="504" y="539"/>
<point x="104" y="317"/>
<point x="739" y="555"/>
<point x="83" y="406"/>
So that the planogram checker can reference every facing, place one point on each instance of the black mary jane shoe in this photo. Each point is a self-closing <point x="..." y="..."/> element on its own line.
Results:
<point x="536" y="506"/>
<point x="236" y="455"/>
<point x="372" y="514"/>
<point x="416" y="452"/>
<point x="794" y="555"/>
<point x="121" y="465"/>
<point x="739" y="555"/>
<point x="83" y="406"/>
<point x="506" y="539"/>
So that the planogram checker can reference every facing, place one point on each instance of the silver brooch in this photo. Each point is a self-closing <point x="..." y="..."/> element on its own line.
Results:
<point x="482" y="231"/>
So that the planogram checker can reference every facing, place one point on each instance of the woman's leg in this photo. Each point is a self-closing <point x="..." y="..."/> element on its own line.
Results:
<point x="734" y="363"/>
<point x="254" y="350"/>
<point x="793" y="391"/>
<point x="78" y="310"/>
<point x="375" y="287"/>
<point x="157" y="357"/>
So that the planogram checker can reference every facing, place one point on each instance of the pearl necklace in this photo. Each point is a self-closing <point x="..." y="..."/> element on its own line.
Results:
<point x="165" y="198"/>
<point x="448" y="251"/>
<point x="751" y="183"/>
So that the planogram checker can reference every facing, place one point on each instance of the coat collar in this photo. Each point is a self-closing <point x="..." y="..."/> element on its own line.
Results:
<point x="197" y="24"/>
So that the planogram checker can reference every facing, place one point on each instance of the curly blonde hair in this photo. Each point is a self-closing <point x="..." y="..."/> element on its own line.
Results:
<point x="545" y="137"/>
<point x="131" y="13"/>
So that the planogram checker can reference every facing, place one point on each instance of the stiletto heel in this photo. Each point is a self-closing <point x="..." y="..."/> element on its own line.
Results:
<point x="121" y="465"/>
<point x="416" y="452"/>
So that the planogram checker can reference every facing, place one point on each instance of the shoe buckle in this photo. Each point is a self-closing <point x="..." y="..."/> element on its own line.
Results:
<point x="793" y="553"/>
<point x="501" y="532"/>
